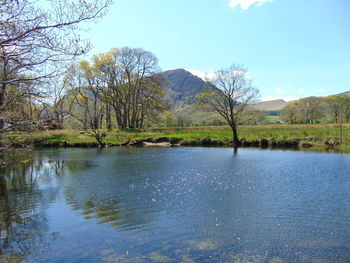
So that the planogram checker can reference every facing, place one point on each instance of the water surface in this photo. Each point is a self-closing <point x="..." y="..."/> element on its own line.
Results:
<point x="176" y="205"/>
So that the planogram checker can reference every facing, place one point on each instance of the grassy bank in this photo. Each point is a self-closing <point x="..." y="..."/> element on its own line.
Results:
<point x="275" y="135"/>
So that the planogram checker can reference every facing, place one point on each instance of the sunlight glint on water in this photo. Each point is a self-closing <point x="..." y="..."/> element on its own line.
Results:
<point x="176" y="205"/>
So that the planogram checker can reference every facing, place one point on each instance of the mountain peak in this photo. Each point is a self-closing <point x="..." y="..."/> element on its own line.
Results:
<point x="182" y="87"/>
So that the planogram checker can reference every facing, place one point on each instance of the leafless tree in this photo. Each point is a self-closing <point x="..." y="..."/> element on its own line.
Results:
<point x="56" y="101"/>
<point x="36" y="35"/>
<point x="228" y="94"/>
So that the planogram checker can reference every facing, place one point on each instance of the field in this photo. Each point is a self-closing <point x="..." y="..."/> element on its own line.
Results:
<point x="312" y="135"/>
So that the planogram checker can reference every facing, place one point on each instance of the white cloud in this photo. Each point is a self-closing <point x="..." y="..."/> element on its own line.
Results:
<point x="212" y="75"/>
<point x="245" y="4"/>
<point x="322" y="90"/>
<point x="202" y="75"/>
<point x="301" y="90"/>
<point x="285" y="98"/>
<point x="279" y="90"/>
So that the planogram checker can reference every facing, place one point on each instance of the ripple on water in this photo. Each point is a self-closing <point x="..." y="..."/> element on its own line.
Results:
<point x="177" y="205"/>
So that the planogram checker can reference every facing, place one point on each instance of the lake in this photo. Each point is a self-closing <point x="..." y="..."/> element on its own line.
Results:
<point x="176" y="205"/>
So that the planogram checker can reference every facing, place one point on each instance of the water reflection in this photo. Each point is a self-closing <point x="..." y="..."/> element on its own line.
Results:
<point x="176" y="205"/>
<point x="23" y="220"/>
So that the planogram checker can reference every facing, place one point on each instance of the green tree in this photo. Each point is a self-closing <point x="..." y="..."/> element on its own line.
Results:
<point x="310" y="109"/>
<point x="290" y="113"/>
<point x="169" y="119"/>
<point x="339" y="108"/>
<point x="87" y="107"/>
<point x="253" y="117"/>
<point x="128" y="82"/>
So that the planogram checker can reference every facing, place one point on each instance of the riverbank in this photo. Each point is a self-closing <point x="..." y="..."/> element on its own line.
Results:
<point x="321" y="138"/>
<point x="275" y="136"/>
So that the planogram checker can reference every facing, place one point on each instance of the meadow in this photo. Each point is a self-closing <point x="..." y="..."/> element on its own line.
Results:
<point x="309" y="135"/>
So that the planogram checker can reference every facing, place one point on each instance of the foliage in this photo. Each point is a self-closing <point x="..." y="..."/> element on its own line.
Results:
<point x="290" y="113"/>
<point x="335" y="109"/>
<point x="338" y="107"/>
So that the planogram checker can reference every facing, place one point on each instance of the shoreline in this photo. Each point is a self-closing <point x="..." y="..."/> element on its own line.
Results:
<point x="181" y="142"/>
<point x="21" y="153"/>
<point x="319" y="138"/>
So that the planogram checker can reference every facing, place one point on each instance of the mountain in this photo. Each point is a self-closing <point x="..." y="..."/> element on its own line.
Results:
<point x="182" y="87"/>
<point x="345" y="93"/>
<point x="273" y="105"/>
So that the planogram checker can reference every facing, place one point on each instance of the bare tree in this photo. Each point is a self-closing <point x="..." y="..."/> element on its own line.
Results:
<point x="56" y="101"/>
<point x="33" y="37"/>
<point x="228" y="94"/>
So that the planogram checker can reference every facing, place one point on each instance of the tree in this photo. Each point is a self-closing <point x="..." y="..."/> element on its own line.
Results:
<point x="183" y="118"/>
<point x="228" y="94"/>
<point x="310" y="109"/>
<point x="142" y="93"/>
<point x="87" y="106"/>
<point x="23" y="109"/>
<point x="128" y="82"/>
<point x="253" y="117"/>
<point x="339" y="107"/>
<point x="290" y="113"/>
<point x="169" y="119"/>
<point x="57" y="104"/>
<point x="34" y="38"/>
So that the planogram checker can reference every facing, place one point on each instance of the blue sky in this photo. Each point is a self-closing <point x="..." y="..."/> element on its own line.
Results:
<point x="291" y="48"/>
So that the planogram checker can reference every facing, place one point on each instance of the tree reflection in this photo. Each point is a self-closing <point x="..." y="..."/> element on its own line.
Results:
<point x="110" y="200"/>
<point x="23" y="203"/>
<point x="116" y="190"/>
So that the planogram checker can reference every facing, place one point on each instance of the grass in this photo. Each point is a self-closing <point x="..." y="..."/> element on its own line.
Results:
<point x="313" y="134"/>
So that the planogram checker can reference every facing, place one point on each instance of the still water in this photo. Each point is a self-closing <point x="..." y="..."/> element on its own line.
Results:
<point x="176" y="205"/>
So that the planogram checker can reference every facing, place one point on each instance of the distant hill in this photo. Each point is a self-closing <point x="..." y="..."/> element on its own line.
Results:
<point x="182" y="87"/>
<point x="347" y="93"/>
<point x="277" y="105"/>
<point x="273" y="105"/>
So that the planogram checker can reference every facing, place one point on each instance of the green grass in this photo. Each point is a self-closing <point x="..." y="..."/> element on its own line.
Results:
<point x="316" y="133"/>
<point x="313" y="134"/>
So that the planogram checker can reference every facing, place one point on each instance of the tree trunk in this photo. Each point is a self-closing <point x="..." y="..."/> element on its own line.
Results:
<point x="59" y="121"/>
<point x="2" y="103"/>
<point x="100" y="142"/>
<point x="99" y="138"/>
<point x="235" y="139"/>
<point x="108" y="117"/>
<point x="85" y="120"/>
<point x="341" y="130"/>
